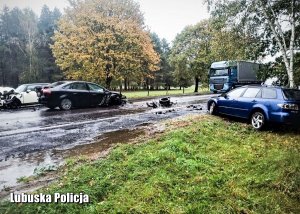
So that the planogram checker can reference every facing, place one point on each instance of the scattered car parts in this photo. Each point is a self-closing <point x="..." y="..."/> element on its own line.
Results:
<point x="163" y="102"/>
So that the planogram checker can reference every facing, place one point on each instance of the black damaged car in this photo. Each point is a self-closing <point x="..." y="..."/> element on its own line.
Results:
<point x="69" y="94"/>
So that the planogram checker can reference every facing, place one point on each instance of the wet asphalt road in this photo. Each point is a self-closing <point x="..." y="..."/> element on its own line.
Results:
<point x="32" y="138"/>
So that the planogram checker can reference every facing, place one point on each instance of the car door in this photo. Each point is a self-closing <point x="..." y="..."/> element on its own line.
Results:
<point x="79" y="94"/>
<point x="269" y="100"/>
<point x="97" y="94"/>
<point x="245" y="103"/>
<point x="227" y="103"/>
<point x="29" y="95"/>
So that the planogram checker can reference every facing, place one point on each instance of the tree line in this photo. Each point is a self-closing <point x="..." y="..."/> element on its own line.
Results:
<point x="25" y="54"/>
<point x="108" y="42"/>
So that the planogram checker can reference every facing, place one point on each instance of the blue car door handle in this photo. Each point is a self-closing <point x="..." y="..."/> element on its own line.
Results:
<point x="254" y="101"/>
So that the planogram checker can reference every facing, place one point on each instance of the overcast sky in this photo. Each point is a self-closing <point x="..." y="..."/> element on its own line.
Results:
<point x="165" y="17"/>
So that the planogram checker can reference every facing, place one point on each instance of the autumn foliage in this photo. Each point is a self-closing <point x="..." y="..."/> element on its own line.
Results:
<point x="102" y="40"/>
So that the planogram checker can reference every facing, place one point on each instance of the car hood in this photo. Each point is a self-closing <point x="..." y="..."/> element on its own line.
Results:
<point x="118" y="93"/>
<point x="2" y="89"/>
<point x="115" y="92"/>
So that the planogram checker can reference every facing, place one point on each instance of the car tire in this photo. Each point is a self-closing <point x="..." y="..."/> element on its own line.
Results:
<point x="212" y="109"/>
<point x="65" y="104"/>
<point x="258" y="120"/>
<point x="16" y="103"/>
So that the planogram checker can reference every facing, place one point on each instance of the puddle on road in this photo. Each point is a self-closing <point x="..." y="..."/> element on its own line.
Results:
<point x="12" y="169"/>
<point x="101" y="143"/>
<point x="25" y="165"/>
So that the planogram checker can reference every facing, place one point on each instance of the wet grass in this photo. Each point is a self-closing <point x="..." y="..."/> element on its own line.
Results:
<point x="156" y="93"/>
<point x="201" y="164"/>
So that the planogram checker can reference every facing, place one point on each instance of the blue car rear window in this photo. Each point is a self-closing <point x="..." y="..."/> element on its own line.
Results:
<point x="291" y="94"/>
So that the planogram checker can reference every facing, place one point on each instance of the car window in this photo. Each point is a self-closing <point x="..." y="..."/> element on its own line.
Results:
<point x="251" y="92"/>
<point x="236" y="93"/>
<point x="68" y="86"/>
<point x="259" y="94"/>
<point x="78" y="86"/>
<point x="94" y="87"/>
<point x="31" y="88"/>
<point x="269" y="93"/>
<point x="291" y="94"/>
<point x="57" y="84"/>
<point x="21" y="88"/>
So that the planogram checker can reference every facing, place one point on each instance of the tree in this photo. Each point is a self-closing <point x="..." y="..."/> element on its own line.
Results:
<point x="12" y="46"/>
<point x="182" y="74"/>
<point x="29" y="27"/>
<point x="47" y="24"/>
<point x="167" y="78"/>
<point x="192" y="46"/>
<point x="104" y="40"/>
<point x="273" y="15"/>
<point x="162" y="77"/>
<point x="274" y="21"/>
<point x="25" y="54"/>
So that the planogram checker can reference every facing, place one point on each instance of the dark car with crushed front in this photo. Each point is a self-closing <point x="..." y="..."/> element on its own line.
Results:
<point x="69" y="94"/>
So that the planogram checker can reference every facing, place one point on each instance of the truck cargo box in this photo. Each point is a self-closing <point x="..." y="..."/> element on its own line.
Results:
<point x="247" y="71"/>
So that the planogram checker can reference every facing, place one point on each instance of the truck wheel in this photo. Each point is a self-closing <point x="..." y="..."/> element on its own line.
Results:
<point x="65" y="104"/>
<point x="258" y="120"/>
<point x="212" y="108"/>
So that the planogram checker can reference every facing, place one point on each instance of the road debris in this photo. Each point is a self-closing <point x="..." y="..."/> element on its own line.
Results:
<point x="163" y="102"/>
<point x="195" y="107"/>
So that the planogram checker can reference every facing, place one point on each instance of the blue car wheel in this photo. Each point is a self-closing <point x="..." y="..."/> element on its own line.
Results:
<point x="212" y="108"/>
<point x="258" y="120"/>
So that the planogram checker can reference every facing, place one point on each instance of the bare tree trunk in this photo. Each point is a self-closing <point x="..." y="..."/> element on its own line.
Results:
<point x="125" y="84"/>
<point x="196" y="84"/>
<point x="291" y="71"/>
<point x="279" y="36"/>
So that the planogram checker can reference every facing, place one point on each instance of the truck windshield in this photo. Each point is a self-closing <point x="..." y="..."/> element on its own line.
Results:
<point x="218" y="72"/>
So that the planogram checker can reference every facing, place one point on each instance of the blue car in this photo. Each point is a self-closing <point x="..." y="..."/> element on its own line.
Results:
<point x="259" y="104"/>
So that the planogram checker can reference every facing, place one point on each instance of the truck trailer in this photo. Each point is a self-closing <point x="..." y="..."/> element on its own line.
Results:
<point x="226" y="75"/>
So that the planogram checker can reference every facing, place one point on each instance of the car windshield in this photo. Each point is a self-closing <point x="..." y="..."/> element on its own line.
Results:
<point x="291" y="94"/>
<point x="20" y="89"/>
<point x="218" y="72"/>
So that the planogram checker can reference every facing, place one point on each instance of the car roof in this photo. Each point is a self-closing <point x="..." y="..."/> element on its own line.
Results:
<point x="265" y="86"/>
<point x="36" y="83"/>
<point x="73" y="81"/>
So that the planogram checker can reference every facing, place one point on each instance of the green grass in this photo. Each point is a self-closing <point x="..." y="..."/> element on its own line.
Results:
<point x="202" y="164"/>
<point x="155" y="93"/>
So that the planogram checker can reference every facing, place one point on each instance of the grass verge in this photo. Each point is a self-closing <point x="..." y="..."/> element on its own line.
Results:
<point x="200" y="164"/>
<point x="156" y="93"/>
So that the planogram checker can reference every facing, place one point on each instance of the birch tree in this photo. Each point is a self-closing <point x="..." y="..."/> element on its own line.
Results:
<point x="274" y="21"/>
<point x="29" y="26"/>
